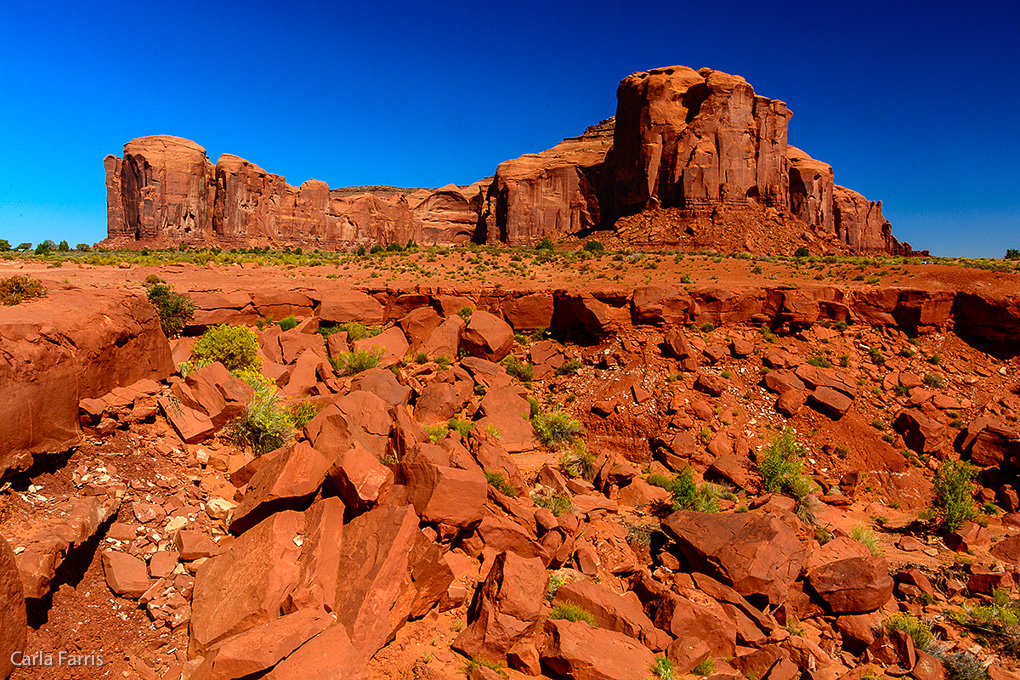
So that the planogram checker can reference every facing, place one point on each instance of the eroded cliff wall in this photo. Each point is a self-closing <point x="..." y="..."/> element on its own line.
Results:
<point x="701" y="142"/>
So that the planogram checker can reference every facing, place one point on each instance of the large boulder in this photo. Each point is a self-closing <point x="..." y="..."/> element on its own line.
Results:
<point x="613" y="612"/>
<point x="487" y="336"/>
<point x="285" y="482"/>
<point x="506" y="607"/>
<point x="757" y="554"/>
<point x="68" y="346"/>
<point x="246" y="585"/>
<point x="853" y="585"/>
<point x="13" y="620"/>
<point x="444" y="494"/>
<point x="583" y="652"/>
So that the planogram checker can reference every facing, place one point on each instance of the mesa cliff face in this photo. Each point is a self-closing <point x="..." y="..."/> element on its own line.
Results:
<point x="698" y="142"/>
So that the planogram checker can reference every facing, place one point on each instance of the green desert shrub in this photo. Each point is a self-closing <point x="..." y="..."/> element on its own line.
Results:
<point x="265" y="425"/>
<point x="662" y="669"/>
<point x="518" y="369"/>
<point x="953" y="494"/>
<point x="556" y="427"/>
<point x="497" y="481"/>
<point x="685" y="493"/>
<point x="577" y="461"/>
<point x="572" y="612"/>
<point x="304" y="411"/>
<point x="558" y="504"/>
<point x="780" y="466"/>
<point x="16" y="289"/>
<point x="594" y="247"/>
<point x="236" y="347"/>
<point x="461" y="427"/>
<point x="912" y="626"/>
<point x="174" y="309"/>
<point x="569" y="368"/>
<point x="288" y="323"/>
<point x="350" y="363"/>
<point x="867" y="538"/>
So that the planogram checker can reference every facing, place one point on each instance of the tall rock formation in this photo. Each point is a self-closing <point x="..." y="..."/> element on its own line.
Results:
<point x="698" y="142"/>
<point x="693" y="139"/>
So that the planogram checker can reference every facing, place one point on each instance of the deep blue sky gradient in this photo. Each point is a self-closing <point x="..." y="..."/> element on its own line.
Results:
<point x="917" y="105"/>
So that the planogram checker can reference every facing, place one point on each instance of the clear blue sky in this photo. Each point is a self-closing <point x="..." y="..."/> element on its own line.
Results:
<point x="919" y="108"/>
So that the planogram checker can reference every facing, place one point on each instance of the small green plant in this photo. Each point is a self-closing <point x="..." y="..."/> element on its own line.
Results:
<point x="473" y="663"/>
<point x="867" y="538"/>
<point x="461" y="427"/>
<point x="354" y="330"/>
<point x="934" y="359"/>
<point x="288" y="323"/>
<point x="436" y="432"/>
<point x="465" y="313"/>
<point x="1012" y="254"/>
<point x="421" y="358"/>
<point x="953" y="494"/>
<point x="685" y="493"/>
<point x="707" y="327"/>
<point x="780" y="467"/>
<point x="801" y="252"/>
<point x="545" y="244"/>
<point x="819" y="361"/>
<point x="558" y="504"/>
<point x="663" y="669"/>
<point x="518" y="369"/>
<point x="876" y="356"/>
<point x="236" y="347"/>
<point x="444" y="362"/>
<point x="844" y="361"/>
<point x="174" y="309"/>
<point x="570" y="367"/>
<point x="594" y="247"/>
<point x="264" y="425"/>
<point x="497" y="481"/>
<point x="912" y="626"/>
<point x="350" y="363"/>
<point x="555" y="427"/>
<point x="572" y="612"/>
<point x="556" y="579"/>
<point x="907" y="353"/>
<point x="706" y="667"/>
<point x="578" y="461"/>
<point x="934" y="381"/>
<point x="304" y="411"/>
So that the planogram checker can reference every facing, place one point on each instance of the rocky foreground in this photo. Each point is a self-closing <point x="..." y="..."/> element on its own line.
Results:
<point x="425" y="523"/>
<point x="699" y="142"/>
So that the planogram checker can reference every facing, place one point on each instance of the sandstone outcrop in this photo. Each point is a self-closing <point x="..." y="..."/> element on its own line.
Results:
<point x="66" y="347"/>
<point x="702" y="142"/>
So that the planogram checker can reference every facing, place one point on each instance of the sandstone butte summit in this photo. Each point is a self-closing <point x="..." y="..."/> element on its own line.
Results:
<point x="692" y="159"/>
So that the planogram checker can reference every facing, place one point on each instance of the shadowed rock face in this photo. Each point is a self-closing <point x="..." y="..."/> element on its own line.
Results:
<point x="694" y="140"/>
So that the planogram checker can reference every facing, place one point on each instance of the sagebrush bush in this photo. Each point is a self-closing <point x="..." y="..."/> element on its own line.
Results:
<point x="236" y="347"/>
<point x="867" y="538"/>
<point x="912" y="626"/>
<point x="578" y="461"/>
<point x="17" y="289"/>
<point x="572" y="612"/>
<point x="685" y="493"/>
<point x="545" y="497"/>
<point x="302" y="412"/>
<point x="350" y="363"/>
<point x="516" y="368"/>
<point x="569" y="368"/>
<point x="780" y="467"/>
<point x="556" y="427"/>
<point x="265" y="424"/>
<point x="174" y="309"/>
<point x="354" y="329"/>
<point x="288" y="323"/>
<point x="497" y="481"/>
<point x="953" y="494"/>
